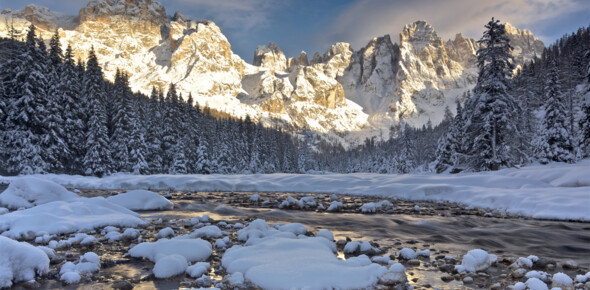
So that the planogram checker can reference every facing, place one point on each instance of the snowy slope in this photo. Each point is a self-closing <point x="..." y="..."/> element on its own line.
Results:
<point x="548" y="192"/>
<point x="346" y="94"/>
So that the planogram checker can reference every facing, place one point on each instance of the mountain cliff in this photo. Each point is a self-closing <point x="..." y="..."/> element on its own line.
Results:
<point x="350" y="94"/>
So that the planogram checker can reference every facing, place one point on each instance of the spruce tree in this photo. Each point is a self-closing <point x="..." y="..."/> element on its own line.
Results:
<point x="74" y="112"/>
<point x="154" y="133"/>
<point x="97" y="159"/>
<point x="555" y="142"/>
<point x="23" y="139"/>
<point x="54" y="146"/>
<point x="121" y="124"/>
<point x="491" y="124"/>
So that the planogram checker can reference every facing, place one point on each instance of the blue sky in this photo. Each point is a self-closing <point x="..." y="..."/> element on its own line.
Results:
<point x="312" y="25"/>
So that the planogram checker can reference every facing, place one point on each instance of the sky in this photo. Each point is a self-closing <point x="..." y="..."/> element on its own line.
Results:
<point x="313" y="25"/>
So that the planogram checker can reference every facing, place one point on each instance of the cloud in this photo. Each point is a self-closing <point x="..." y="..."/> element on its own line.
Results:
<point x="233" y="14"/>
<point x="365" y="19"/>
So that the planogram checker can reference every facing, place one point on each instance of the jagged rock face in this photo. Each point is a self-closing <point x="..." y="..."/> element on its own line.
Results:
<point x="109" y="10"/>
<point x="302" y="60"/>
<point x="370" y="78"/>
<point x="317" y="58"/>
<point x="425" y="72"/>
<point x="270" y="57"/>
<point x="525" y="46"/>
<point x="463" y="50"/>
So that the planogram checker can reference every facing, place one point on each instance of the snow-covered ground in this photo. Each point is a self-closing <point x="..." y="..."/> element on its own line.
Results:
<point x="555" y="191"/>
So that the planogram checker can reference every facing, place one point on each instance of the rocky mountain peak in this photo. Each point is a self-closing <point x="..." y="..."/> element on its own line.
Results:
<point x="510" y="29"/>
<point x="270" y="57"/>
<point x="419" y="31"/>
<point x="43" y="17"/>
<point x="525" y="46"/>
<point x="104" y="10"/>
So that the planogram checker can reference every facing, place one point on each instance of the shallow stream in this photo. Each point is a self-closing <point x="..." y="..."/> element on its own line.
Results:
<point x="446" y="229"/>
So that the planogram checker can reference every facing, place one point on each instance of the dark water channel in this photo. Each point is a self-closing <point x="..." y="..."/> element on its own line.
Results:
<point x="557" y="240"/>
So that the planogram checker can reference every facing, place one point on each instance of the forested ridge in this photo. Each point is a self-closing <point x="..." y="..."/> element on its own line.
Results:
<point x="59" y="115"/>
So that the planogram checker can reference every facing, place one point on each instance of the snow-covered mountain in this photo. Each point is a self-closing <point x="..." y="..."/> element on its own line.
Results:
<point x="344" y="93"/>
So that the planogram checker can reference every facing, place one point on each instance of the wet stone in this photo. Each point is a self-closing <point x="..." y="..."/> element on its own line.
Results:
<point x="122" y="285"/>
<point x="446" y="268"/>
<point x="542" y="263"/>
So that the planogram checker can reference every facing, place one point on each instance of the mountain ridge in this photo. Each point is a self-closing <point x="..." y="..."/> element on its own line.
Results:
<point x="346" y="94"/>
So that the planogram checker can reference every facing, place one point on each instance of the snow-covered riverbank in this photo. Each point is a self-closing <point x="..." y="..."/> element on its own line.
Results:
<point x="556" y="191"/>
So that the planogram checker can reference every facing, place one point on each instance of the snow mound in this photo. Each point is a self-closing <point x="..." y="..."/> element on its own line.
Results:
<point x="19" y="261"/>
<point x="373" y="207"/>
<point x="79" y="238"/>
<point x="71" y="273"/>
<point x="360" y="247"/>
<point x="274" y="262"/>
<point x="61" y="217"/>
<point x="335" y="206"/>
<point x="407" y="254"/>
<point x="476" y="260"/>
<point x="326" y="234"/>
<point x="536" y="284"/>
<point x="206" y="232"/>
<point x="394" y="275"/>
<point x="70" y="277"/>
<point x="169" y="266"/>
<point x="141" y="200"/>
<point x="563" y="281"/>
<point x="27" y="191"/>
<point x="306" y="202"/>
<point x="236" y="279"/>
<point x="191" y="249"/>
<point x="295" y="228"/>
<point x="198" y="269"/>
<point x="165" y="233"/>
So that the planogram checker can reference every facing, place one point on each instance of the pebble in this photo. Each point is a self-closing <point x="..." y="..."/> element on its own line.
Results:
<point x="467" y="280"/>
<point x="496" y="286"/>
<point x="414" y="262"/>
<point x="447" y="278"/>
<point x="446" y="268"/>
<point x="542" y="263"/>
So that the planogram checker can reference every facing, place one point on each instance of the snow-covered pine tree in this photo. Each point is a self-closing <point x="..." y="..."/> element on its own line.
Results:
<point x="23" y="137"/>
<point x="491" y="125"/>
<point x="97" y="159"/>
<point x="121" y="124"/>
<point x="407" y="156"/>
<point x="304" y="154"/>
<point x="584" y="122"/>
<point x="138" y="148"/>
<point x="74" y="112"/>
<point x="154" y="132"/>
<point x="55" y="149"/>
<point x="555" y="143"/>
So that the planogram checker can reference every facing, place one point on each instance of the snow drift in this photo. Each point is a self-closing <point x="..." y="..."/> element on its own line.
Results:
<point x="556" y="191"/>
